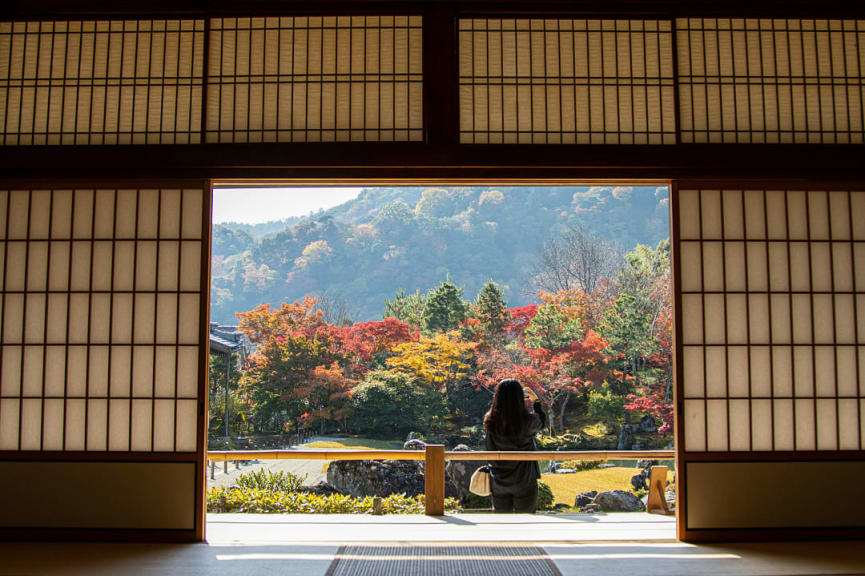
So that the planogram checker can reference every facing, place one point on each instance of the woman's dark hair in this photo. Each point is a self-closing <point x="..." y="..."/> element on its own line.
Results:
<point x="508" y="412"/>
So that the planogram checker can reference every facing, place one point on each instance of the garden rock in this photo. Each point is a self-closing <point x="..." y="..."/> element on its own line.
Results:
<point x="585" y="498"/>
<point x="414" y="444"/>
<point x="670" y="497"/>
<point x="560" y="506"/>
<point x="619" y="501"/>
<point x="648" y="425"/>
<point x="361" y="478"/>
<point x="626" y="437"/>
<point x="320" y="489"/>
<point x="458" y="473"/>
<point x="565" y="471"/>
<point x="643" y="464"/>
<point x="638" y="481"/>
<point x="590" y="508"/>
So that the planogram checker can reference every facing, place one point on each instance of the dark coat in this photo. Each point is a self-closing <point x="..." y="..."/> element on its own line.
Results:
<point x="513" y="477"/>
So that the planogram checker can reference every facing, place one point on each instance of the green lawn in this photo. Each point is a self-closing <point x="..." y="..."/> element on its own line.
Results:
<point x="356" y="443"/>
<point x="566" y="486"/>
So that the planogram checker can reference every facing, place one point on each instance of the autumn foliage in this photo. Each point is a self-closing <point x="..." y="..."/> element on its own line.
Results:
<point x="564" y="349"/>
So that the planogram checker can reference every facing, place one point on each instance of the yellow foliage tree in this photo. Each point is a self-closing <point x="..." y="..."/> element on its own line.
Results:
<point x="437" y="361"/>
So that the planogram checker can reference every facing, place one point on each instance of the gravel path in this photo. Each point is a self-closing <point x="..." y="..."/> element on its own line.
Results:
<point x="313" y="469"/>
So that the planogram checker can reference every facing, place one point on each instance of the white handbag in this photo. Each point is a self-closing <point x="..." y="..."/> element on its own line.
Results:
<point x="480" y="483"/>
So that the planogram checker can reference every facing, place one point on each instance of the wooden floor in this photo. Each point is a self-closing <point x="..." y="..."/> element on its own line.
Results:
<point x="343" y="528"/>
<point x="307" y="545"/>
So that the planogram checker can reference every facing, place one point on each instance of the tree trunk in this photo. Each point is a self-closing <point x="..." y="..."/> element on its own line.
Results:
<point x="550" y="422"/>
<point x="562" y="413"/>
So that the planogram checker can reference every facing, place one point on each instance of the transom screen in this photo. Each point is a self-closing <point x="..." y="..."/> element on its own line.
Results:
<point x="566" y="81"/>
<point x="773" y="319"/>
<point x="360" y="78"/>
<point x="100" y="316"/>
<point x="101" y="82"/>
<point x="315" y="79"/>
<point x="749" y="80"/>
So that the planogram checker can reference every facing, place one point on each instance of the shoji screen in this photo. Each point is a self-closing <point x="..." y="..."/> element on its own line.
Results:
<point x="566" y="81"/>
<point x="103" y="297"/>
<point x="315" y="79"/>
<point x="747" y="80"/>
<point x="772" y="353"/>
<point x="101" y="82"/>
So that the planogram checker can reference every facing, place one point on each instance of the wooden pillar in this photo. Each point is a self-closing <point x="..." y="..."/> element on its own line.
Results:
<point x="441" y="74"/>
<point x="434" y="480"/>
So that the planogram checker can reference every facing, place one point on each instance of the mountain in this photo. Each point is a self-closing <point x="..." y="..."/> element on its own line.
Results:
<point x="263" y="228"/>
<point x="361" y="252"/>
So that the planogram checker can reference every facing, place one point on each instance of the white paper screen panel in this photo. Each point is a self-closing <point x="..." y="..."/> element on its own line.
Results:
<point x="101" y="82"/>
<point x="533" y="81"/>
<point x="769" y="81"/>
<point x="315" y="79"/>
<point x="773" y="318"/>
<point x="99" y="319"/>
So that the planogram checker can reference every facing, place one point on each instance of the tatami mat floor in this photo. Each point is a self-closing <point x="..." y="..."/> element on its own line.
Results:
<point x="416" y="545"/>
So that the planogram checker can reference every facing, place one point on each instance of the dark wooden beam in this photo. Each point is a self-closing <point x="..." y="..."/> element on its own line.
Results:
<point x="418" y="161"/>
<point x="63" y="9"/>
<point x="441" y="90"/>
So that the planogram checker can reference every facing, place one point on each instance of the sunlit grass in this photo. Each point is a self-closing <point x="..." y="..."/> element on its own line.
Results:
<point x="597" y="430"/>
<point x="566" y="486"/>
<point x="355" y="444"/>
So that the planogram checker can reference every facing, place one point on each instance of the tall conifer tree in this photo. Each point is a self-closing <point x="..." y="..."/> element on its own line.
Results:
<point x="491" y="310"/>
<point x="444" y="308"/>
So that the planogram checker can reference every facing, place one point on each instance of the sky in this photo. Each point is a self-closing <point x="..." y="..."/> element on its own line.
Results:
<point x="256" y="205"/>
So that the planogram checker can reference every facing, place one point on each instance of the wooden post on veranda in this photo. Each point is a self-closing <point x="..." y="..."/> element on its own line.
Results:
<point x="657" y="503"/>
<point x="434" y="480"/>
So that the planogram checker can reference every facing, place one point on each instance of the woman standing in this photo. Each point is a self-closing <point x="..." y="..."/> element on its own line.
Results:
<point x="511" y="427"/>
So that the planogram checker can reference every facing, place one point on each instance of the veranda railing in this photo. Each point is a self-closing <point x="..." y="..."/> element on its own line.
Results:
<point x="435" y="456"/>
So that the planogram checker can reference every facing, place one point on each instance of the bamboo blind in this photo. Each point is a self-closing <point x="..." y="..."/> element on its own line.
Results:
<point x="101" y="82"/>
<point x="315" y="79"/>
<point x="755" y="81"/>
<point x="773" y="319"/>
<point x="566" y="81"/>
<point x="99" y="307"/>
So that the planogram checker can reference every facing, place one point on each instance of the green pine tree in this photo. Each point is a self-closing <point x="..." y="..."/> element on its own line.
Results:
<point x="444" y="308"/>
<point x="491" y="310"/>
<point x="406" y="308"/>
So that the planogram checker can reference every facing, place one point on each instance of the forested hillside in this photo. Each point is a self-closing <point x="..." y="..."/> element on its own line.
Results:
<point x="358" y="254"/>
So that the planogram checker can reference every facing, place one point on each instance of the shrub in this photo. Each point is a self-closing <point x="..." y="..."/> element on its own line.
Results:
<point x="566" y="441"/>
<point x="251" y="500"/>
<point x="390" y="405"/>
<point x="545" y="496"/>
<point x="581" y="465"/>
<point x="266" y="480"/>
<point x="575" y="442"/>
<point x="604" y="405"/>
<point x="474" y="502"/>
